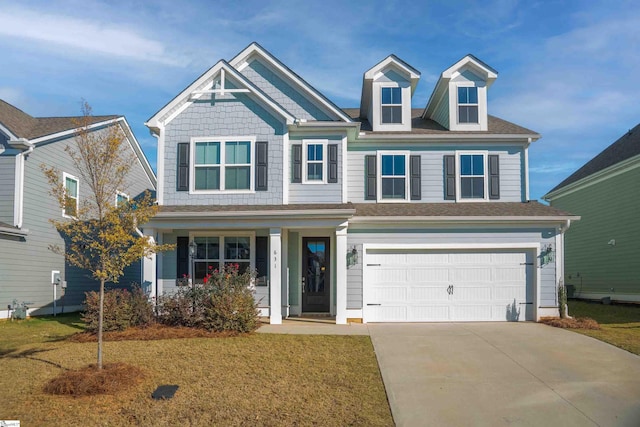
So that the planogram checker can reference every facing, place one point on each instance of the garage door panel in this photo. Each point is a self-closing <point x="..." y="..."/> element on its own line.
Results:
<point x="470" y="274"/>
<point x="429" y="275"/>
<point x="414" y="285"/>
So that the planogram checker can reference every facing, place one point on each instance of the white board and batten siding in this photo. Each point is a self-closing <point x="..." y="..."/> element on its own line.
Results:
<point x="442" y="285"/>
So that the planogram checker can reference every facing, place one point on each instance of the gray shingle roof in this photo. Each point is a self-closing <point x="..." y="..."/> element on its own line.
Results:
<point x="627" y="146"/>
<point x="23" y="125"/>
<point x="488" y="209"/>
<point x="431" y="127"/>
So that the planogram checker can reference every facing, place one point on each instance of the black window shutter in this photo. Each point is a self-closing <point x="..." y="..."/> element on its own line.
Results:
<point x="262" y="258"/>
<point x="297" y="163"/>
<point x="333" y="163"/>
<point x="370" y="177"/>
<point x="414" y="175"/>
<point x="494" y="176"/>
<point x="182" y="256"/>
<point x="182" y="179"/>
<point x="449" y="177"/>
<point x="261" y="165"/>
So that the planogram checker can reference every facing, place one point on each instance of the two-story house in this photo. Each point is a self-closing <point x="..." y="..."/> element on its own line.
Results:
<point x="29" y="271"/>
<point x="381" y="213"/>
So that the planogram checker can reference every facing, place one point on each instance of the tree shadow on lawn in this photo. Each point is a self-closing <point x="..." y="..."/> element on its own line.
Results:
<point x="30" y="354"/>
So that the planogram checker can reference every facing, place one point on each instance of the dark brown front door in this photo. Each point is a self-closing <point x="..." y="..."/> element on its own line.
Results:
<point x="315" y="275"/>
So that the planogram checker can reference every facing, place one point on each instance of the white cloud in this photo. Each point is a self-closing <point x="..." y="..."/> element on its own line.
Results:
<point x="88" y="35"/>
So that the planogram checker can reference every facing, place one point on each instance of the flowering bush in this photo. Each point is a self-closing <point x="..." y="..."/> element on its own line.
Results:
<point x="224" y="302"/>
<point x="122" y="309"/>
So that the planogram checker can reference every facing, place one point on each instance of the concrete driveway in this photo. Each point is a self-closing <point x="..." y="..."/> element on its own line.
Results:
<point x="504" y="374"/>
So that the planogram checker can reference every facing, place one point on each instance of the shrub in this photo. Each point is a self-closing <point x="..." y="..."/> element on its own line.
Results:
<point x="122" y="309"/>
<point x="223" y="303"/>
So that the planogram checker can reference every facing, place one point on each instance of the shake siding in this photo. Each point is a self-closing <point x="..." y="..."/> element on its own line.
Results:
<point x="432" y="176"/>
<point x="7" y="186"/>
<point x="26" y="264"/>
<point x="291" y="99"/>
<point x="359" y="237"/>
<point x="316" y="193"/>
<point x="608" y="210"/>
<point x="235" y="115"/>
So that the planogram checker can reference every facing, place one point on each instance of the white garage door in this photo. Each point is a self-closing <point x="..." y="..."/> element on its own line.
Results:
<point x="403" y="285"/>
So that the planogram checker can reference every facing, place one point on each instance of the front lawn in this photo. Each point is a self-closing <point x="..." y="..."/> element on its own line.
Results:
<point x="258" y="379"/>
<point x="620" y="324"/>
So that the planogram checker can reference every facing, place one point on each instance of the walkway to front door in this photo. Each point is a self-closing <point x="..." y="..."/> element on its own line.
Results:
<point x="316" y="277"/>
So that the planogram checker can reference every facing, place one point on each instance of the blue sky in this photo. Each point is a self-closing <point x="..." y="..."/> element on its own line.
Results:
<point x="567" y="69"/>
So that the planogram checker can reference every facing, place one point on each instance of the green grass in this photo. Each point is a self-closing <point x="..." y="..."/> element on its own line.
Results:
<point x="258" y="379"/>
<point x="620" y="324"/>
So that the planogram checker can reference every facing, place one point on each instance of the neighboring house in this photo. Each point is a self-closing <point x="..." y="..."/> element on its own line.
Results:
<point x="603" y="248"/>
<point x="27" y="267"/>
<point x="379" y="214"/>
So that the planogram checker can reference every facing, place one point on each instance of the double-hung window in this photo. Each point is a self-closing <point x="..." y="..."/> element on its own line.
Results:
<point x="121" y="199"/>
<point x="215" y="252"/>
<point x="71" y="195"/>
<point x="391" y="105"/>
<point x="472" y="176"/>
<point x="315" y="162"/>
<point x="467" y="104"/>
<point x="222" y="164"/>
<point x="393" y="180"/>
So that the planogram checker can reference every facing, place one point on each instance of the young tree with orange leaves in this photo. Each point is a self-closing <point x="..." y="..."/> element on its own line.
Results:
<point x="101" y="237"/>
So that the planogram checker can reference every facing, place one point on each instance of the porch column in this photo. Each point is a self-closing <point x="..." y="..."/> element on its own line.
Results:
<point x="275" y="287"/>
<point x="149" y="278"/>
<point x="341" y="274"/>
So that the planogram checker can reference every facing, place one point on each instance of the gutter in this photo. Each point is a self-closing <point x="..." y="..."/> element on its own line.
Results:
<point x="315" y="213"/>
<point x="482" y="219"/>
<point x="457" y="136"/>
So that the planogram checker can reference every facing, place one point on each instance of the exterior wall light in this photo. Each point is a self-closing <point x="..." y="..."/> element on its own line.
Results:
<point x="352" y="257"/>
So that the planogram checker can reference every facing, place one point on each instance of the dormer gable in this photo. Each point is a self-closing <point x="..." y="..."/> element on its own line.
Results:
<point x="387" y="89"/>
<point x="459" y="101"/>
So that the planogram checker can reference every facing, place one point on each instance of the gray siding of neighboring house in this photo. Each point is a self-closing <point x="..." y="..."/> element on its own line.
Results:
<point x="356" y="238"/>
<point x="7" y="180"/>
<point x="290" y="98"/>
<point x="432" y="172"/>
<point x="235" y="115"/>
<point x="316" y="193"/>
<point x="26" y="264"/>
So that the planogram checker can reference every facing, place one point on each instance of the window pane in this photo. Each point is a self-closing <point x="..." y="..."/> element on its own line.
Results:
<point x="201" y="252"/>
<point x="386" y="95"/>
<point x="213" y="247"/>
<point x="207" y="153"/>
<point x="314" y="171"/>
<point x="386" y="115"/>
<point x="396" y="95"/>
<point x="236" y="248"/>
<point x="319" y="152"/>
<point x="398" y="188"/>
<point x="314" y="152"/>
<point x="462" y="95"/>
<point x="472" y="113"/>
<point x="207" y="178"/>
<point x="387" y="165"/>
<point x="478" y="188"/>
<point x="465" y="164"/>
<point x="465" y="188"/>
<point x="71" y="187"/>
<point x="472" y="188"/>
<point x="478" y="164"/>
<point x="238" y="152"/>
<point x="393" y="188"/>
<point x="472" y="95"/>
<point x="237" y="178"/>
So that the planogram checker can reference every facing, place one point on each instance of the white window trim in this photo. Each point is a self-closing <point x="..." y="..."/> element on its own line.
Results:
<point x="379" y="197"/>
<point x="458" y="105"/>
<point x="64" y="185"/>
<point x="222" y="165"/>
<point x="305" y="161"/>
<point x="221" y="235"/>
<point x="392" y="85"/>
<point x="485" y="160"/>
<point x="120" y="193"/>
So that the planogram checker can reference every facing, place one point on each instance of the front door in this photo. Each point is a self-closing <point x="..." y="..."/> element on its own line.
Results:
<point x="315" y="275"/>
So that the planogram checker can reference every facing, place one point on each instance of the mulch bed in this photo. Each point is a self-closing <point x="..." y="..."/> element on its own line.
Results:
<point x="571" y="322"/>
<point x="89" y="381"/>
<point x="153" y="332"/>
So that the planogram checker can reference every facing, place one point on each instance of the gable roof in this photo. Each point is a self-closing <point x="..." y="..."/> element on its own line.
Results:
<point x="478" y="66"/>
<point x="240" y="61"/>
<point x="184" y="98"/>
<point x="22" y="125"/>
<point x="372" y="73"/>
<point x="626" y="147"/>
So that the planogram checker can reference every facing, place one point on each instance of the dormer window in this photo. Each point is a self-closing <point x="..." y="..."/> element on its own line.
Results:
<point x="391" y="105"/>
<point x="468" y="104"/>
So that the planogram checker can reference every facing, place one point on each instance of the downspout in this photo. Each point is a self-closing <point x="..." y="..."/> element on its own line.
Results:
<point x="526" y="170"/>
<point x="18" y="207"/>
